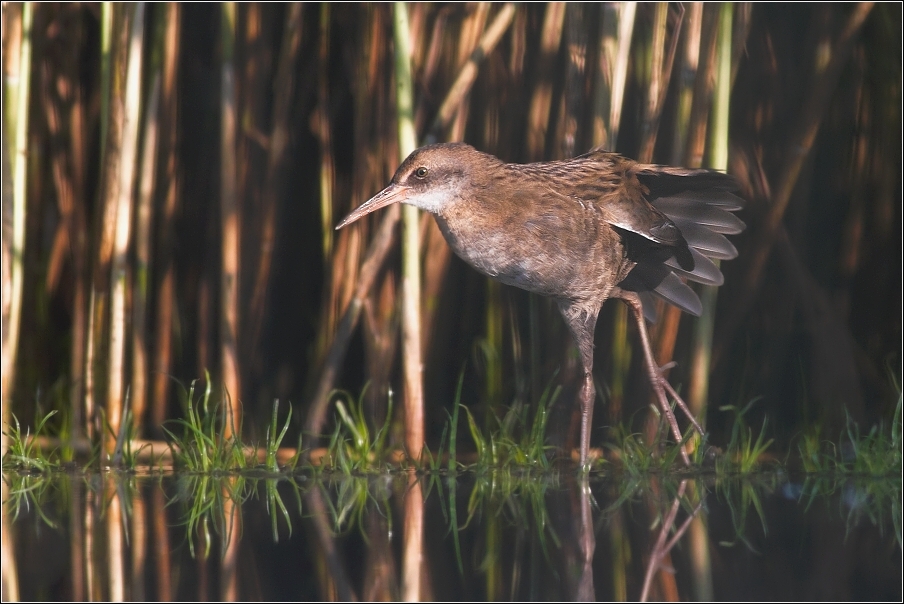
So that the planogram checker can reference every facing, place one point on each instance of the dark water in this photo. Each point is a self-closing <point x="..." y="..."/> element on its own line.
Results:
<point x="494" y="537"/>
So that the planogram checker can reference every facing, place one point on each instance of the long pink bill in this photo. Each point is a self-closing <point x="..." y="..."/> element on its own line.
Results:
<point x="392" y="194"/>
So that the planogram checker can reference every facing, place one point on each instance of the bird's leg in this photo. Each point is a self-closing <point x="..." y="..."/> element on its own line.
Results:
<point x="660" y="384"/>
<point x="581" y="319"/>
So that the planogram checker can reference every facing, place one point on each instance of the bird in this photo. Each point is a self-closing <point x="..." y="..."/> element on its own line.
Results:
<point x="580" y="231"/>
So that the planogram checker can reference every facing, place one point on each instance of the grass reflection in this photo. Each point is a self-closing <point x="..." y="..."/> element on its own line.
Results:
<point x="27" y="491"/>
<point x="741" y="496"/>
<point x="349" y="499"/>
<point x="208" y="500"/>
<point x="499" y="524"/>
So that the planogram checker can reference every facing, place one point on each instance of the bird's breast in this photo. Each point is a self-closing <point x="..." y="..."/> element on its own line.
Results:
<point x="549" y="250"/>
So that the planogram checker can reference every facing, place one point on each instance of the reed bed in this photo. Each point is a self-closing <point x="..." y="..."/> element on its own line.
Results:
<point x="172" y="175"/>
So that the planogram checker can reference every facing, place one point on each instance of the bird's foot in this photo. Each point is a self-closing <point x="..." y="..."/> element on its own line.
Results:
<point x="681" y="404"/>
<point x="662" y="386"/>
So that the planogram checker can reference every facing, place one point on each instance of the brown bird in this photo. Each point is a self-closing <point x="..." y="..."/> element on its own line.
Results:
<point x="581" y="231"/>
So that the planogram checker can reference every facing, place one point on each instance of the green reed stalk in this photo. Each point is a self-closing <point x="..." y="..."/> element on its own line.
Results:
<point x="327" y="169"/>
<point x="411" y="270"/>
<point x="697" y="58"/>
<point x="718" y="144"/>
<point x="20" y="144"/>
<point x="618" y="29"/>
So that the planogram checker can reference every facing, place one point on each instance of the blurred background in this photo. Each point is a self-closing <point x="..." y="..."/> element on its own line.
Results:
<point x="172" y="176"/>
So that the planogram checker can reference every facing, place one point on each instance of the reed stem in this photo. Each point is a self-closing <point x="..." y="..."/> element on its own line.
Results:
<point x="411" y="271"/>
<point x="19" y="182"/>
<point x="229" y="292"/>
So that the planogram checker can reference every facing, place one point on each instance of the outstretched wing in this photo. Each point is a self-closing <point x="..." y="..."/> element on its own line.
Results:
<point x="699" y="203"/>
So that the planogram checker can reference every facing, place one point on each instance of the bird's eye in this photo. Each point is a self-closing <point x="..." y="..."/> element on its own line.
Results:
<point x="421" y="172"/>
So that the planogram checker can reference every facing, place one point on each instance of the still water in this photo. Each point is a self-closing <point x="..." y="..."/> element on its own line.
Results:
<point x="113" y="536"/>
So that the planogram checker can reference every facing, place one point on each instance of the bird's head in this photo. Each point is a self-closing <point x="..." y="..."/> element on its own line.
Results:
<point x="431" y="178"/>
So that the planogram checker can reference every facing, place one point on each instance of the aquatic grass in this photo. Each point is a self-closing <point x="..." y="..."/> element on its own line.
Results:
<point x="866" y="469"/>
<point x="272" y="441"/>
<point x="809" y="448"/>
<point x="516" y="443"/>
<point x="484" y="456"/>
<point x="337" y="457"/>
<point x="877" y="453"/>
<point x="531" y="450"/>
<point x="24" y="454"/>
<point x="639" y="458"/>
<point x="453" y="464"/>
<point x="123" y="454"/>
<point x="351" y="448"/>
<point x="519" y="440"/>
<point x="452" y="467"/>
<point x="743" y="454"/>
<point x="204" y="446"/>
<point x="67" y="453"/>
<point x="428" y="461"/>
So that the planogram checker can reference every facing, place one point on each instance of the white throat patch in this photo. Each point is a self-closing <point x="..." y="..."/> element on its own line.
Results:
<point x="433" y="200"/>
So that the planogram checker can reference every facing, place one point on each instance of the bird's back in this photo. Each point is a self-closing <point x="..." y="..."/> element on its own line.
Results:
<point x="576" y="228"/>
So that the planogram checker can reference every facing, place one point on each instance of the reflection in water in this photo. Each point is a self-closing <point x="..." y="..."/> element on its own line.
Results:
<point x="407" y="536"/>
<point x="667" y="540"/>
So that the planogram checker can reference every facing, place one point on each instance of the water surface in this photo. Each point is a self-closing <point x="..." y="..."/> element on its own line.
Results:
<point x="549" y="536"/>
